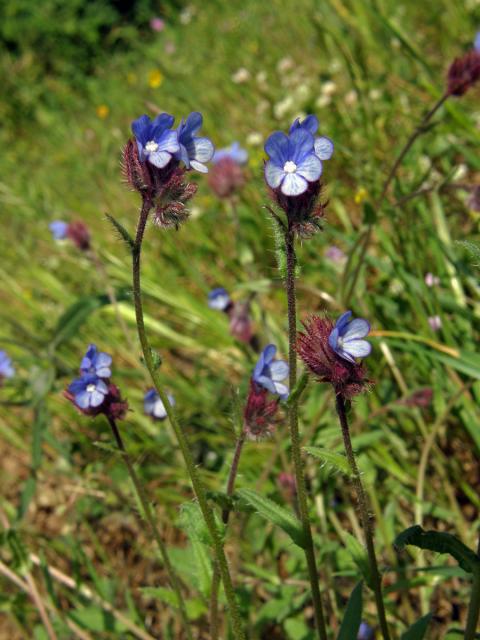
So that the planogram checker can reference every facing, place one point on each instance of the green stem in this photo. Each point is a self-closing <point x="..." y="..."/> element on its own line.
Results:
<point x="295" y="439"/>
<point x="151" y="521"/>
<point x="179" y="433"/>
<point x="365" y="517"/>
<point x="225" y="516"/>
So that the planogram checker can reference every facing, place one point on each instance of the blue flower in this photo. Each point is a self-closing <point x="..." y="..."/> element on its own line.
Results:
<point x="218" y="299"/>
<point x="323" y="146"/>
<point x="293" y="163"/>
<point x="234" y="152"/>
<point x="476" y="43"/>
<point x="59" y="229"/>
<point x="153" y="405"/>
<point x="268" y="372"/>
<point x="346" y="337"/>
<point x="89" y="391"/>
<point x="96" y="363"/>
<point x="156" y="141"/>
<point x="366" y="632"/>
<point x="194" y="151"/>
<point x="6" y="368"/>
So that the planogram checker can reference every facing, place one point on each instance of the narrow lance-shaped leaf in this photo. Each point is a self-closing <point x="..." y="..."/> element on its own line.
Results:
<point x="331" y="458"/>
<point x="440" y="542"/>
<point x="274" y="513"/>
<point x="418" y="629"/>
<point x="352" y="618"/>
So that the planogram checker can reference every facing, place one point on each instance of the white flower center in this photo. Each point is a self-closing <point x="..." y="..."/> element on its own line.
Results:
<point x="151" y="146"/>
<point x="289" y="167"/>
<point x="91" y="388"/>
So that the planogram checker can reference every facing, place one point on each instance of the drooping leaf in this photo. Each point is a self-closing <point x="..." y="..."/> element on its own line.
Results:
<point x="122" y="232"/>
<point x="440" y="542"/>
<point x="418" y="629"/>
<point x="333" y="459"/>
<point x="352" y="618"/>
<point x="274" y="513"/>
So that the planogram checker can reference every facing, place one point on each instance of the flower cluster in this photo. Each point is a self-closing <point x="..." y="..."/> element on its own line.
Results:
<point x="464" y="72"/>
<point x="259" y="413"/>
<point x="75" y="231"/>
<point x="293" y="171"/>
<point x="6" y="367"/>
<point x="237" y="312"/>
<point x="93" y="393"/>
<point x="151" y="163"/>
<point x="330" y="351"/>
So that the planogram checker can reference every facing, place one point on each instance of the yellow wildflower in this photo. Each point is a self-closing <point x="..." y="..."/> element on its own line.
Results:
<point x="155" y="79"/>
<point x="361" y="195"/>
<point x="102" y="111"/>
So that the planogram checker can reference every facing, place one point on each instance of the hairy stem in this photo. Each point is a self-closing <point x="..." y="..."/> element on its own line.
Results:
<point x="225" y="516"/>
<point x="179" y="433"/>
<point x="364" y="515"/>
<point x="147" y="511"/>
<point x="295" y="438"/>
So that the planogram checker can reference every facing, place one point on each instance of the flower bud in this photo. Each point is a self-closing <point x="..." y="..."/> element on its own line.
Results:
<point x="348" y="377"/>
<point x="259" y="413"/>
<point x="79" y="234"/>
<point x="226" y="177"/>
<point x="463" y="73"/>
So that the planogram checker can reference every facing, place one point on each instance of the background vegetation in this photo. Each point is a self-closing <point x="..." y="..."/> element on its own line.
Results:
<point x="74" y="76"/>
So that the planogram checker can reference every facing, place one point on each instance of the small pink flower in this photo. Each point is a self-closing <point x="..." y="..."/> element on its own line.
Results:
<point x="435" y="323"/>
<point x="157" y="24"/>
<point x="431" y="280"/>
<point x="335" y="254"/>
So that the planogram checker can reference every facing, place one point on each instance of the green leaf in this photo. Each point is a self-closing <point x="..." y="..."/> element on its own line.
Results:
<point x="298" y="389"/>
<point x="274" y="513"/>
<point x="353" y="615"/>
<point x="122" y="232"/>
<point x="440" y="542"/>
<point x="331" y="458"/>
<point x="418" y="629"/>
<point x="360" y="557"/>
<point x="195" y="607"/>
<point x="75" y="316"/>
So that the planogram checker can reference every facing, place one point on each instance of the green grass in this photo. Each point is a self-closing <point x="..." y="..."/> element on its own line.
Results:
<point x="70" y="501"/>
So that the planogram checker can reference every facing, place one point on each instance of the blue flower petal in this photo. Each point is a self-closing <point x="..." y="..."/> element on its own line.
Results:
<point x="278" y="370"/>
<point x="274" y="174"/>
<point x="343" y="320"/>
<point x="476" y="43"/>
<point x="293" y="184"/>
<point x="357" y="348"/>
<point x="310" y="168"/>
<point x="201" y="149"/>
<point x="168" y="142"/>
<point x="324" y="148"/>
<point x="82" y="399"/>
<point x="358" y="328"/>
<point x="96" y="398"/>
<point x="333" y="339"/>
<point x="300" y="145"/>
<point x="140" y="129"/>
<point x="281" y="389"/>
<point x="192" y="124"/>
<point x="269" y="353"/>
<point x="277" y="147"/>
<point x="267" y="383"/>
<point x="160" y="159"/>
<point x="310" y="123"/>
